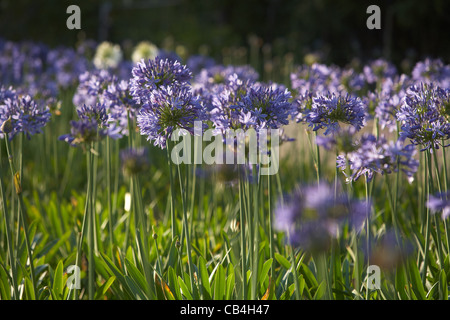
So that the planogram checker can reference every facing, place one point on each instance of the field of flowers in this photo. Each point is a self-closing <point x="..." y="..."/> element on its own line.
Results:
<point x="94" y="207"/>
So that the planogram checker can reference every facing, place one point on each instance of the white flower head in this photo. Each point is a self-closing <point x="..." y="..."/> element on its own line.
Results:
<point x="144" y="50"/>
<point x="108" y="55"/>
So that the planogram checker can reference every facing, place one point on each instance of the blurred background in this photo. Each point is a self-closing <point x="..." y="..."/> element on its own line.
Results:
<point x="268" y="34"/>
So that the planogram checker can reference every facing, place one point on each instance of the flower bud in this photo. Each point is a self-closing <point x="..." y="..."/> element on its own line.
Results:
<point x="7" y="126"/>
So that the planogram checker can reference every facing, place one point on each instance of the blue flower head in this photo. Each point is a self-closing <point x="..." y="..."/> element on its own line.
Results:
<point x="328" y="111"/>
<point x="26" y="115"/>
<point x="423" y="116"/>
<point x="313" y="214"/>
<point x="151" y="75"/>
<point x="168" y="109"/>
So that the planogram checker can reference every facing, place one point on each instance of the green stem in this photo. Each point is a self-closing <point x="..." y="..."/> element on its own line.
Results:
<point x="172" y="194"/>
<point x="427" y="230"/>
<point x="436" y="218"/>
<point x="318" y="159"/>
<point x="271" y="236"/>
<point x="242" y="232"/>
<point x="22" y="209"/>
<point x="91" y="228"/>
<point x="9" y="242"/>
<point x="186" y="231"/>
<point x="109" y="198"/>
<point x="142" y="236"/>
<point x="446" y="222"/>
<point x="255" y="249"/>
<point x="367" y="231"/>
<point x="356" y="266"/>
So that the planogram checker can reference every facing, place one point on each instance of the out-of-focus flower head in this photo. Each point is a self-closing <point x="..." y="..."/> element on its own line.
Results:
<point x="316" y="79"/>
<point x="313" y="214"/>
<point x="65" y="66"/>
<point x="381" y="156"/>
<point x="440" y="202"/>
<point x="107" y="56"/>
<point x="388" y="251"/>
<point x="134" y="160"/>
<point x="379" y="70"/>
<point x="432" y="71"/>
<point x="145" y="50"/>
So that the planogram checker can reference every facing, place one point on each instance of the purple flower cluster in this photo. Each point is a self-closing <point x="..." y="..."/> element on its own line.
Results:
<point x="99" y="86"/>
<point x="379" y="156"/>
<point x="149" y="76"/>
<point x="265" y="107"/>
<point x="39" y="71"/>
<point x="378" y="70"/>
<point x="167" y="109"/>
<point x="93" y="125"/>
<point x="440" y="202"/>
<point x="313" y="214"/>
<point x="328" y="111"/>
<point x="315" y="79"/>
<point x="25" y="114"/>
<point x="432" y="71"/>
<point x="423" y="116"/>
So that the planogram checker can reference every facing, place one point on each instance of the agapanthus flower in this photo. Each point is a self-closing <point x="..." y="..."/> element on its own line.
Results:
<point x="85" y="131"/>
<point x="432" y="71"/>
<point x="379" y="156"/>
<point x="440" y="202"/>
<point x="65" y="65"/>
<point x="317" y="79"/>
<point x="21" y="63"/>
<point x="151" y="75"/>
<point x="7" y="93"/>
<point x="265" y="107"/>
<point x="134" y="160"/>
<point x="107" y="55"/>
<point x="223" y="104"/>
<point x="379" y="70"/>
<point x="169" y="108"/>
<point x="145" y="50"/>
<point x="96" y="112"/>
<point x="120" y="104"/>
<point x="352" y="82"/>
<point x="91" y="87"/>
<point x="312" y="215"/>
<point x="328" y="111"/>
<point x="93" y="125"/>
<point x="25" y="114"/>
<point x="387" y="251"/>
<point x="215" y="79"/>
<point x="301" y="106"/>
<point x="219" y="74"/>
<point x="423" y="116"/>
